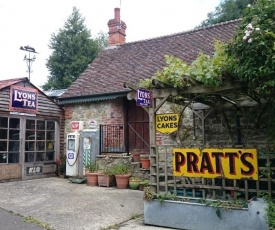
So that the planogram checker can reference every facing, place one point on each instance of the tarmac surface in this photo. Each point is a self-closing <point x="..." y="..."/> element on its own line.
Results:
<point x="56" y="204"/>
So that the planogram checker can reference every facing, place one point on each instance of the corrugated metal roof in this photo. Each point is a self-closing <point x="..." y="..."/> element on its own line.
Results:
<point x="55" y="93"/>
<point x="75" y="100"/>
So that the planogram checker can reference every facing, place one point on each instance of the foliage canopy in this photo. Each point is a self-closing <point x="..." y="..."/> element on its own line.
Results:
<point x="73" y="49"/>
<point x="226" y="11"/>
<point x="252" y="51"/>
<point x="249" y="57"/>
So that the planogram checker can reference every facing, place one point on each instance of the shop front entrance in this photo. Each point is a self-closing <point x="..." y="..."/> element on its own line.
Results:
<point x="27" y="147"/>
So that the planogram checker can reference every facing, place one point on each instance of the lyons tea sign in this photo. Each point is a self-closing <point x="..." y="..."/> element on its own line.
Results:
<point x="23" y="99"/>
<point x="212" y="163"/>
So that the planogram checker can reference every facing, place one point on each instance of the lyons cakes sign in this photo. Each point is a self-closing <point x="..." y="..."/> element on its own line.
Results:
<point x="23" y="99"/>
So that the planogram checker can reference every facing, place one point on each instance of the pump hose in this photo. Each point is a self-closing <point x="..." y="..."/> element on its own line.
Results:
<point x="77" y="153"/>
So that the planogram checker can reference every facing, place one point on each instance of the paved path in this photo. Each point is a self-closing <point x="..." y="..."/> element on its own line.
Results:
<point x="67" y="206"/>
<point x="11" y="221"/>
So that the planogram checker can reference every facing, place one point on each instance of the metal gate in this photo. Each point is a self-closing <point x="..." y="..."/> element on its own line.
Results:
<point x="112" y="139"/>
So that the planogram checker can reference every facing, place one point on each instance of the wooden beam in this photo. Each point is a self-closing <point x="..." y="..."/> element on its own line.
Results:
<point x="160" y="84"/>
<point x="130" y="86"/>
<point x="161" y="93"/>
<point x="204" y="90"/>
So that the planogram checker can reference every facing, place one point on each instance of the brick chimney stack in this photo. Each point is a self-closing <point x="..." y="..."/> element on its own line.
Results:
<point x="116" y="30"/>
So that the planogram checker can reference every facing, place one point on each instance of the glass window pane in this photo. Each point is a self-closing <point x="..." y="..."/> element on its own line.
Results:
<point x="30" y="146"/>
<point x="28" y="133"/>
<point x="15" y="123"/>
<point x="14" y="134"/>
<point x="40" y="156"/>
<point x="41" y="135"/>
<point x="3" y="122"/>
<point x="3" y="146"/>
<point x="41" y="125"/>
<point x="30" y="124"/>
<point x="13" y="157"/>
<point x="3" y="134"/>
<point x="31" y="137"/>
<point x="50" y="125"/>
<point x="3" y="158"/>
<point x="50" y="135"/>
<point x="50" y="156"/>
<point x="14" y="145"/>
<point x="29" y="157"/>
<point x="40" y="145"/>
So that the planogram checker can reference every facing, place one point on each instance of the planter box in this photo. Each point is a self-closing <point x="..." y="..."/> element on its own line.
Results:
<point x="105" y="180"/>
<point x="194" y="216"/>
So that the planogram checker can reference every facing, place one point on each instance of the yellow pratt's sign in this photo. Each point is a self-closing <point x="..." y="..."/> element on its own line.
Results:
<point x="212" y="163"/>
<point x="167" y="123"/>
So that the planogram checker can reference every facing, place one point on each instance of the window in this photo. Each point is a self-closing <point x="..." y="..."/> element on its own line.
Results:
<point x="40" y="140"/>
<point x="9" y="140"/>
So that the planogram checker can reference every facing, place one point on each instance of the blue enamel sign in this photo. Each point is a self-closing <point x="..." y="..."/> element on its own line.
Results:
<point x="23" y="99"/>
<point x="144" y="97"/>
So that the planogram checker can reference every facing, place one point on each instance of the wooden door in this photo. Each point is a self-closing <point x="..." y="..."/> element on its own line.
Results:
<point x="138" y="127"/>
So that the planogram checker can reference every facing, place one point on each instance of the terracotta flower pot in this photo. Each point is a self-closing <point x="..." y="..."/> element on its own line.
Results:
<point x="122" y="181"/>
<point x="145" y="163"/>
<point x="136" y="157"/>
<point x="91" y="178"/>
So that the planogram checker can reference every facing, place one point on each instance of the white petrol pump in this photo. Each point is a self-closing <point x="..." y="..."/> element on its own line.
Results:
<point x="72" y="148"/>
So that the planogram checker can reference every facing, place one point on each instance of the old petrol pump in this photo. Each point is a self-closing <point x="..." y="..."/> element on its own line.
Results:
<point x="89" y="146"/>
<point x="72" y="148"/>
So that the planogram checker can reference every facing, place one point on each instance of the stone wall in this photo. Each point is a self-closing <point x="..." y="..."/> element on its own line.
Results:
<point x="104" y="112"/>
<point x="106" y="161"/>
<point x="220" y="128"/>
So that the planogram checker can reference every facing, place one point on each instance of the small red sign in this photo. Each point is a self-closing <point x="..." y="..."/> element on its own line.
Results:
<point x="75" y="125"/>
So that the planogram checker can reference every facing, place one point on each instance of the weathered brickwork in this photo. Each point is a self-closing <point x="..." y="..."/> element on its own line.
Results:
<point x="104" y="112"/>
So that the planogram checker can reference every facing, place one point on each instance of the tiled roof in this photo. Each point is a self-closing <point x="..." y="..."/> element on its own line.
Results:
<point x="131" y="62"/>
<point x="8" y="82"/>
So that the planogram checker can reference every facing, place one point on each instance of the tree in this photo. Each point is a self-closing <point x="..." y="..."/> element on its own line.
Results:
<point x="226" y="11"/>
<point x="252" y="50"/>
<point x="73" y="49"/>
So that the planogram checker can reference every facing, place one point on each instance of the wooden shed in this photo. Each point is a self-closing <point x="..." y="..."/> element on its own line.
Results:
<point x="31" y="131"/>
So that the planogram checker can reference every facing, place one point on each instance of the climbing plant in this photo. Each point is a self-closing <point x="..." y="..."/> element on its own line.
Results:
<point x="252" y="51"/>
<point x="249" y="56"/>
<point x="205" y="69"/>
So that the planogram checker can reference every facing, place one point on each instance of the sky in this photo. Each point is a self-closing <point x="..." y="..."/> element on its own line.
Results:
<point x="31" y="23"/>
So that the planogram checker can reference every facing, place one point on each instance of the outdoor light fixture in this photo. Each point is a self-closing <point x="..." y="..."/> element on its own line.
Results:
<point x="28" y="59"/>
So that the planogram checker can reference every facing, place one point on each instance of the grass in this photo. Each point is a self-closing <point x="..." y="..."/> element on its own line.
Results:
<point x="30" y="219"/>
<point x="117" y="226"/>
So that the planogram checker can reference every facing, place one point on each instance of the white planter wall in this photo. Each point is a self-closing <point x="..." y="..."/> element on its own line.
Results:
<point x="192" y="216"/>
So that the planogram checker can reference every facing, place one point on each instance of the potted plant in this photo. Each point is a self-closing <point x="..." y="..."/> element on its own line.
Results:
<point x="105" y="177"/>
<point x="60" y="165"/>
<point x="134" y="182"/>
<point x="91" y="174"/>
<point x="143" y="184"/>
<point x="122" y="174"/>
<point x="136" y="155"/>
<point x="145" y="161"/>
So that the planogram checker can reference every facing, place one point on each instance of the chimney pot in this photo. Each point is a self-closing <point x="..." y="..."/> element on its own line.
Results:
<point x="117" y="13"/>
<point x="116" y="29"/>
